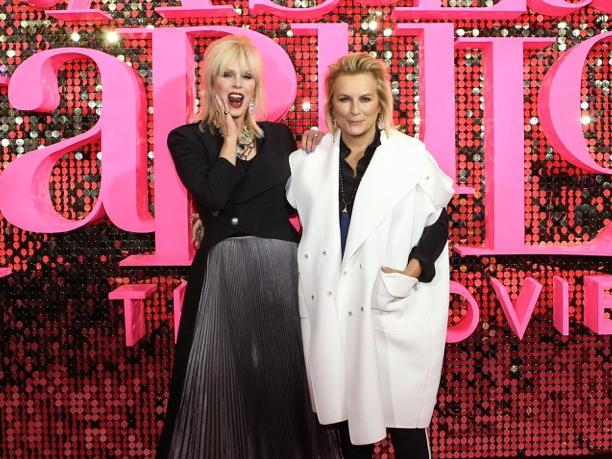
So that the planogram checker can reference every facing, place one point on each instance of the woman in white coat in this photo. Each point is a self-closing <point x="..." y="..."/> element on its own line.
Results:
<point x="373" y="333"/>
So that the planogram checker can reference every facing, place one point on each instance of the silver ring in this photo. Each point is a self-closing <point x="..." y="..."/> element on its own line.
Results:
<point x="225" y="112"/>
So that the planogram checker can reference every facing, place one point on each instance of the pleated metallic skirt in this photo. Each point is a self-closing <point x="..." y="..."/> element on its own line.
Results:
<point x="245" y="394"/>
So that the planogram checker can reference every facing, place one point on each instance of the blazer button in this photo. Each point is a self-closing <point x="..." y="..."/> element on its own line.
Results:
<point x="329" y="293"/>
<point x="313" y="297"/>
<point x="325" y="252"/>
<point x="306" y="255"/>
<point x="234" y="221"/>
<point x="350" y="313"/>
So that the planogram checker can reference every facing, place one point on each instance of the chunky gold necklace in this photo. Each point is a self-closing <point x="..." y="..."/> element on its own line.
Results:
<point x="246" y="143"/>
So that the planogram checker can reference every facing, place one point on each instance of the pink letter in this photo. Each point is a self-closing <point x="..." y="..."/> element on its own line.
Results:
<point x="173" y="83"/>
<point x="468" y="324"/>
<point x="597" y="304"/>
<point x="562" y="7"/>
<point x="559" y="106"/>
<point x="432" y="9"/>
<point x="267" y="6"/>
<point x="437" y="92"/>
<point x="504" y="142"/>
<point x="133" y="296"/>
<point x="377" y="2"/>
<point x="41" y="3"/>
<point x="4" y="81"/>
<point x="24" y="185"/>
<point x="326" y="33"/>
<point x="561" y="305"/>
<point x="559" y="110"/>
<point x="76" y="11"/>
<point x="518" y="317"/>
<point x="196" y="9"/>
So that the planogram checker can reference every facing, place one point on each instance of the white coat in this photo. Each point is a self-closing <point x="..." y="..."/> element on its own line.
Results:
<point x="373" y="342"/>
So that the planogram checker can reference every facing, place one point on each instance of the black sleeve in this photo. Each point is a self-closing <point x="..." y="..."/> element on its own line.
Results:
<point x="210" y="184"/>
<point x="292" y="142"/>
<point x="292" y="147"/>
<point x="430" y="246"/>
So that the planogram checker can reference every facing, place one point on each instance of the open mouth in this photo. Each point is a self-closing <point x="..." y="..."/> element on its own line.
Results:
<point x="235" y="100"/>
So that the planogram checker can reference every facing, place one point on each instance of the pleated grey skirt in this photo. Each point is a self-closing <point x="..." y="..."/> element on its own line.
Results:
<point x="245" y="394"/>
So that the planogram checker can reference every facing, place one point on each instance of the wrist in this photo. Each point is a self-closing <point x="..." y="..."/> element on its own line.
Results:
<point x="413" y="268"/>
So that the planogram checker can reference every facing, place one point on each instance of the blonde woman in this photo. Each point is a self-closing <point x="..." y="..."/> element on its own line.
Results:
<point x="239" y="388"/>
<point x="373" y="267"/>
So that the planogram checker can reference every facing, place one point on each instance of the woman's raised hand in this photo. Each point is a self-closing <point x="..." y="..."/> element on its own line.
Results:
<point x="227" y="124"/>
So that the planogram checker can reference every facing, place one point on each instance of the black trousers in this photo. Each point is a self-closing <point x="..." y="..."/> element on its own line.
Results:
<point x="407" y="443"/>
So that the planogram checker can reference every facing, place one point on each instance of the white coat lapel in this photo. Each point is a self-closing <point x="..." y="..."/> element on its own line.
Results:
<point x="387" y="180"/>
<point x="328" y="189"/>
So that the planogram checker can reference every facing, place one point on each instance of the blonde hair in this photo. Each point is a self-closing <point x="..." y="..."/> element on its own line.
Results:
<point x="218" y="56"/>
<point x="356" y="64"/>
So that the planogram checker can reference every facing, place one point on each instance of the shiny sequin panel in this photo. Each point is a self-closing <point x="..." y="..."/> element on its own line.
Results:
<point x="529" y="373"/>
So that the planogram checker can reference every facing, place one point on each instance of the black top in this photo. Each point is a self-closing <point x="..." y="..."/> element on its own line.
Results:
<point x="434" y="237"/>
<point x="236" y="200"/>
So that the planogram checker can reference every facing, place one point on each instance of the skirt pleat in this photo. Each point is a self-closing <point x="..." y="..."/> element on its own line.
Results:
<point x="245" y="393"/>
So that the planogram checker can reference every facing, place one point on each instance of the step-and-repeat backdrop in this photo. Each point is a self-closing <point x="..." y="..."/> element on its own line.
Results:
<point x="511" y="96"/>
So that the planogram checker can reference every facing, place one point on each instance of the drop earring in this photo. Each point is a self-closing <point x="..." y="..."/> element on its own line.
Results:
<point x="251" y="108"/>
<point x="381" y="121"/>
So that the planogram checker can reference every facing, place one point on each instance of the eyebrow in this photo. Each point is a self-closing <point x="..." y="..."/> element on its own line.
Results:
<point x="348" y="95"/>
<point x="242" y="72"/>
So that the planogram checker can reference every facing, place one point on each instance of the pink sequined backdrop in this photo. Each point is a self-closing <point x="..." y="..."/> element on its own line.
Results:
<point x="69" y="385"/>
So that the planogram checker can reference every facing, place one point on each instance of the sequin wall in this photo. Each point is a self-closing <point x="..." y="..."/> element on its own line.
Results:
<point x="69" y="385"/>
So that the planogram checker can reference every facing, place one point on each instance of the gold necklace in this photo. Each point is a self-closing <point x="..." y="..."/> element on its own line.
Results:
<point x="245" y="144"/>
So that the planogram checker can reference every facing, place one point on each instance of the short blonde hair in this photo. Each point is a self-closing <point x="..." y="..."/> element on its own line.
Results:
<point x="356" y="64"/>
<point x="218" y="57"/>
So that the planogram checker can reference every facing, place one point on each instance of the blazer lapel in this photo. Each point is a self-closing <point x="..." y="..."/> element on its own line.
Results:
<point x="387" y="180"/>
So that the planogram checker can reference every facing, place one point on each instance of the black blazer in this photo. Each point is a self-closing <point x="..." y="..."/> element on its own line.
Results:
<point x="245" y="199"/>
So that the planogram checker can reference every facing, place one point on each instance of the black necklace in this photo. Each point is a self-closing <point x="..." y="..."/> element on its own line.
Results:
<point x="345" y="203"/>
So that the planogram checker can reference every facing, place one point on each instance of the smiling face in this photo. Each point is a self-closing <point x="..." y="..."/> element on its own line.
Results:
<point x="236" y="85"/>
<point x="355" y="105"/>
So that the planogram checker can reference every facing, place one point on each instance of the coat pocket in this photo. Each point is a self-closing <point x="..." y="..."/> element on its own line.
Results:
<point x="390" y="289"/>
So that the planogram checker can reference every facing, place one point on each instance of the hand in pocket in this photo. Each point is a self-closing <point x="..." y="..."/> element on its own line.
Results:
<point x="390" y="288"/>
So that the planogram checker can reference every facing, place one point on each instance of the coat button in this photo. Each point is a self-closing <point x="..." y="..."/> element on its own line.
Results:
<point x="329" y="293"/>
<point x="234" y="221"/>
<point x="306" y="255"/>
<point x="345" y="272"/>
<point x="312" y="297"/>
<point x="325" y="252"/>
<point x="350" y="313"/>
<point x="362" y="308"/>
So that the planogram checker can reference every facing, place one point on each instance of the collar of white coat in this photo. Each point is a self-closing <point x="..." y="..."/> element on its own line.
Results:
<point x="398" y="165"/>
